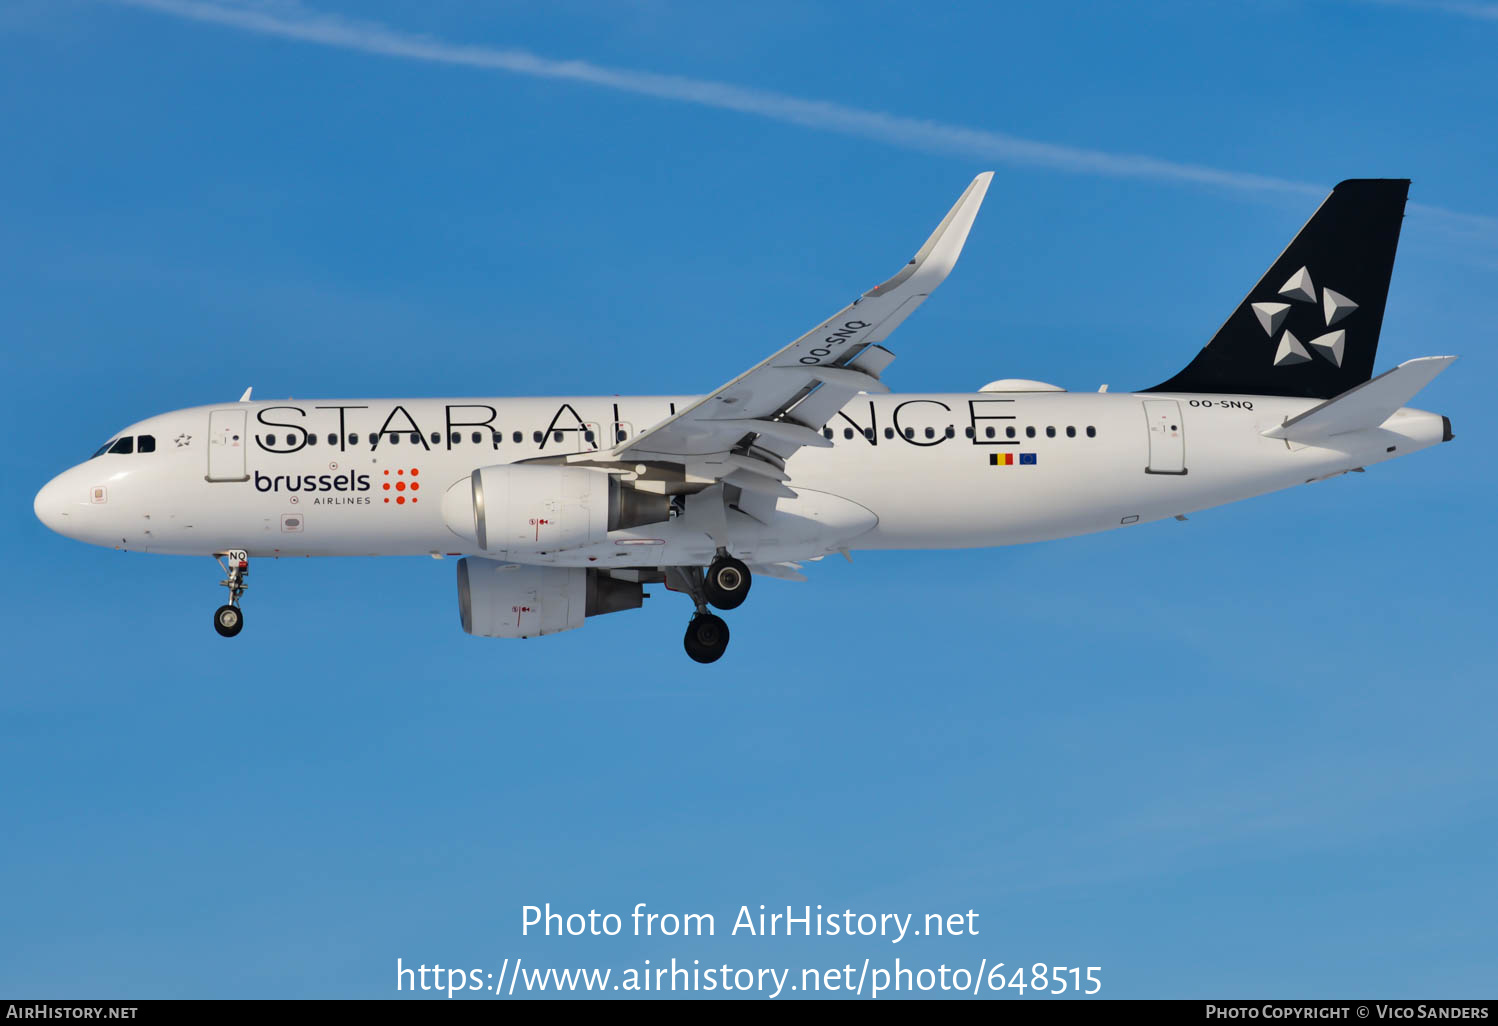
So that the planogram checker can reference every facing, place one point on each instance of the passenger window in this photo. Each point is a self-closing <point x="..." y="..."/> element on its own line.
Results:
<point x="988" y="431"/>
<point x="436" y="438"/>
<point x="270" y="439"/>
<point x="395" y="438"/>
<point x="124" y="447"/>
<point x="1050" y="432"/>
<point x="619" y="436"/>
<point x="332" y="438"/>
<point x="353" y="439"/>
<point x="889" y="432"/>
<point x="868" y="433"/>
<point x="415" y="438"/>
<point x="517" y="437"/>
<point x="589" y="436"/>
<point x="1071" y="432"/>
<point x="476" y="437"/>
<point x="1029" y="432"/>
<point x="455" y="437"/>
<point x="1009" y="432"/>
<point x="909" y="433"/>
<point x="535" y="436"/>
<point x="826" y="432"/>
<point x="847" y="432"/>
<point x="497" y="438"/>
<point x="311" y="438"/>
<point x="145" y="443"/>
<point x="1092" y="432"/>
<point x="952" y="432"/>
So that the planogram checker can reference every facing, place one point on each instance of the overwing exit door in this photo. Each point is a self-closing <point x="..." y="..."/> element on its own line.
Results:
<point x="1167" y="437"/>
<point x="226" y="445"/>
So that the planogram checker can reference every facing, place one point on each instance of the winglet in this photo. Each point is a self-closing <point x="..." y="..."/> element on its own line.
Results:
<point x="939" y="255"/>
<point x="246" y="397"/>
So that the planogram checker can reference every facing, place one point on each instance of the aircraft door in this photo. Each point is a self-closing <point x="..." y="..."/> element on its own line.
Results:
<point x="589" y="437"/>
<point x="1167" y="437"/>
<point x="227" y="442"/>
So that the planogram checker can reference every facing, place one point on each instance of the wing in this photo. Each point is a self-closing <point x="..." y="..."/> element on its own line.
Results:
<point x="742" y="434"/>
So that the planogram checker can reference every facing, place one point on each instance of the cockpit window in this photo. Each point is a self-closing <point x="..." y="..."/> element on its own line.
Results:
<point x="145" y="443"/>
<point x="124" y="447"/>
<point x="101" y="450"/>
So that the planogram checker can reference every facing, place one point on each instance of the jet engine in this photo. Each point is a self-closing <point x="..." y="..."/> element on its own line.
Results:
<point x="507" y="600"/>
<point x="529" y="509"/>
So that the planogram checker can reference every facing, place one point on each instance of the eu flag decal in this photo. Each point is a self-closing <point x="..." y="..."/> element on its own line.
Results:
<point x="1027" y="459"/>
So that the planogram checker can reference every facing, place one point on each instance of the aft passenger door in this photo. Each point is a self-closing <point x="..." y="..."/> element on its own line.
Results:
<point x="226" y="445"/>
<point x="1167" y="437"/>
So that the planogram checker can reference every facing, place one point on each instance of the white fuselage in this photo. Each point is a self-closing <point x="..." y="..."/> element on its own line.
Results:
<point x="909" y="471"/>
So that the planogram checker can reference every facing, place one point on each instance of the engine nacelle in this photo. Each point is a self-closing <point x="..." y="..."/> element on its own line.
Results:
<point x="507" y="600"/>
<point x="529" y="509"/>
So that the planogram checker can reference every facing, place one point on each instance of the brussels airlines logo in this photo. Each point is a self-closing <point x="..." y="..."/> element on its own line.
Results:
<point x="1334" y="308"/>
<point x="343" y="488"/>
<point x="401" y="485"/>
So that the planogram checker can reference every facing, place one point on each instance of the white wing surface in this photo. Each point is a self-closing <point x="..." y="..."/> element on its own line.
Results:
<point x="742" y="433"/>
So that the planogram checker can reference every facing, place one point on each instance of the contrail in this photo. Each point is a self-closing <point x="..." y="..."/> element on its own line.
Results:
<point x="289" y="20"/>
<point x="1481" y="11"/>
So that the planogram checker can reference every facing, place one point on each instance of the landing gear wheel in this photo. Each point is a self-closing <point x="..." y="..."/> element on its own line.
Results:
<point x="727" y="583"/>
<point x="707" y="638"/>
<point x="228" y="621"/>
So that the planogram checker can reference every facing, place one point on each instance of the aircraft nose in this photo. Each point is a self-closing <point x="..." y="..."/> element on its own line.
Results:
<point x="50" y="507"/>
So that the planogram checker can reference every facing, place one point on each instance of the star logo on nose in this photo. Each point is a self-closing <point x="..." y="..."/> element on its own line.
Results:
<point x="182" y="440"/>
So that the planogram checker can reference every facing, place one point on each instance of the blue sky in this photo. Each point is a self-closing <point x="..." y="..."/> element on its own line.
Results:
<point x="1245" y="755"/>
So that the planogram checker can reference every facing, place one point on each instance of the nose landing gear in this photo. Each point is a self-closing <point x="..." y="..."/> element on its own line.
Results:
<point x="228" y="620"/>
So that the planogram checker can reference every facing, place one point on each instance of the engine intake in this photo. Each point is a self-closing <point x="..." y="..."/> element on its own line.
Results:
<point x="535" y="508"/>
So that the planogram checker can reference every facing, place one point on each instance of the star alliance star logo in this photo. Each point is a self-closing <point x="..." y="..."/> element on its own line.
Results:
<point x="1334" y="307"/>
<point x="182" y="440"/>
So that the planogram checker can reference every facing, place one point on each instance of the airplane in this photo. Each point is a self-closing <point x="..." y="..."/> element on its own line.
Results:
<point x="566" y="508"/>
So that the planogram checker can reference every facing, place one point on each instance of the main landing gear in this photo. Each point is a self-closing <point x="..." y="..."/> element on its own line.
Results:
<point x="725" y="584"/>
<point x="229" y="620"/>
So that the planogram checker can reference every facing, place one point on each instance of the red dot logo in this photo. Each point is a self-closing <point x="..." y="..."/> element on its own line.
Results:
<point x="402" y="486"/>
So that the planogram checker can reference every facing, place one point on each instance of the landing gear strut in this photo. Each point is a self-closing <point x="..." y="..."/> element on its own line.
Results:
<point x="229" y="620"/>
<point x="707" y="635"/>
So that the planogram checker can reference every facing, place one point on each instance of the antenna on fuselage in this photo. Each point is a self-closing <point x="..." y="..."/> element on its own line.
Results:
<point x="246" y="397"/>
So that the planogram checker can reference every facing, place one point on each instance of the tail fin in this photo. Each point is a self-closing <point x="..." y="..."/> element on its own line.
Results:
<point x="1310" y="327"/>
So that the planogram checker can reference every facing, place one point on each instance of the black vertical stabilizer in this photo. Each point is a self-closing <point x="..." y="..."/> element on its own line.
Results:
<point x="1310" y="327"/>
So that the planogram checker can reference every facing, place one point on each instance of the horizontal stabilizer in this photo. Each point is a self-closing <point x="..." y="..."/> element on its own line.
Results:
<point x="1364" y="406"/>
